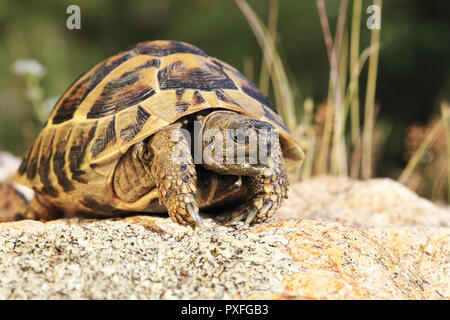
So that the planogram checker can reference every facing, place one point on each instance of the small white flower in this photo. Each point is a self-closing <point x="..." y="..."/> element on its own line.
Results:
<point x="29" y="67"/>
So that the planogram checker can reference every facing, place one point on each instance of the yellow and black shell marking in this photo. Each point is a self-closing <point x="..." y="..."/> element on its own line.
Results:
<point x="124" y="100"/>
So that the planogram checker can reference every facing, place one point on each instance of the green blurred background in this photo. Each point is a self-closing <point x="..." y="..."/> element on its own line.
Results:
<point x="413" y="71"/>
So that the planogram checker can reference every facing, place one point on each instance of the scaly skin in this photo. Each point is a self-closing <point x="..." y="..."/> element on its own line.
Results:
<point x="266" y="192"/>
<point x="173" y="171"/>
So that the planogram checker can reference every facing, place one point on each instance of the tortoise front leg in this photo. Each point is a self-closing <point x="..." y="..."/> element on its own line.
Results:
<point x="266" y="191"/>
<point x="173" y="170"/>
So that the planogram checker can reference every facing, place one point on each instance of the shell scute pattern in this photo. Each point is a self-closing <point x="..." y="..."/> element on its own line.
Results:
<point x="165" y="48"/>
<point x="205" y="77"/>
<point x="70" y="101"/>
<point x="125" y="91"/>
<point x="130" y="131"/>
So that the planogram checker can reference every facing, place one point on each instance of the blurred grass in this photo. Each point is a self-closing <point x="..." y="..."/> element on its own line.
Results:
<point x="369" y="118"/>
<point x="337" y="50"/>
<point x="283" y="92"/>
<point x="428" y="148"/>
<point x="364" y="145"/>
<point x="445" y="116"/>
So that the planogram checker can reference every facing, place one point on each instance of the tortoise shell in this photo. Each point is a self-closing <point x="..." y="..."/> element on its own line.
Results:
<point x="126" y="99"/>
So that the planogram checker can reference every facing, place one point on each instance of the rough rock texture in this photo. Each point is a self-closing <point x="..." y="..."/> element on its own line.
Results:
<point x="334" y="238"/>
<point x="344" y="240"/>
<point x="377" y="202"/>
<point x="283" y="259"/>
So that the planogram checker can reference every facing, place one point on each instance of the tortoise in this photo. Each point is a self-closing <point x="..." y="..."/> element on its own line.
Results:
<point x="117" y="141"/>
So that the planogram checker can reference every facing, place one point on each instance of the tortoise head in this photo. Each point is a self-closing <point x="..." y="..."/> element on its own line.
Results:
<point x="236" y="144"/>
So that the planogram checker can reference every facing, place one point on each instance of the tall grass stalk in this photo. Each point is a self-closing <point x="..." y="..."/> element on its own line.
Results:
<point x="345" y="66"/>
<point x="369" y="104"/>
<point x="248" y="68"/>
<point x="272" y="29"/>
<point x="307" y="126"/>
<point x="282" y="89"/>
<point x="351" y="91"/>
<point x="331" y="108"/>
<point x="338" y="154"/>
<point x="354" y="64"/>
<point x="445" y="117"/>
<point x="322" y="163"/>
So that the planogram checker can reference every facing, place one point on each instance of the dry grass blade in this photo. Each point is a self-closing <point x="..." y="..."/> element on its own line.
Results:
<point x="283" y="92"/>
<point x="420" y="152"/>
<point x="325" y="28"/>
<point x="308" y="128"/>
<point x="350" y="97"/>
<point x="272" y="27"/>
<point x="355" y="73"/>
<point x="328" y="128"/>
<point x="322" y="164"/>
<point x="248" y="68"/>
<point x="339" y="158"/>
<point x="445" y="116"/>
<point x="370" y="103"/>
<point x="354" y="64"/>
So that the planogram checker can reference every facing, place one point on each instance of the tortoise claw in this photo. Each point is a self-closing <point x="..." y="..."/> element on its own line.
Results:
<point x="240" y="217"/>
<point x="193" y="212"/>
<point x="251" y="215"/>
<point x="267" y="205"/>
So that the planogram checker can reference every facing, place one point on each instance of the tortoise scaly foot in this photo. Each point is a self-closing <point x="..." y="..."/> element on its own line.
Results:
<point x="177" y="192"/>
<point x="175" y="176"/>
<point x="267" y="192"/>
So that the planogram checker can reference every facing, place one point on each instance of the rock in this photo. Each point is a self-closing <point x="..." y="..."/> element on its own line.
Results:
<point x="23" y="227"/>
<point x="377" y="202"/>
<point x="8" y="165"/>
<point x="345" y="240"/>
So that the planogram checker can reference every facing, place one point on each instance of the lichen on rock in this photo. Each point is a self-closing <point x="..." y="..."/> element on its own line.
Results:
<point x="334" y="238"/>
